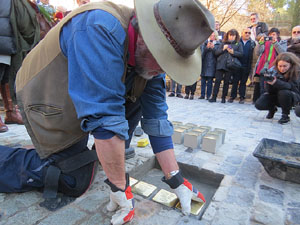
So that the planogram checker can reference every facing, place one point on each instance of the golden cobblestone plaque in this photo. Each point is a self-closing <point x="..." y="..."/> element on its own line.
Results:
<point x="144" y="189"/>
<point x="195" y="207"/>
<point x="132" y="181"/>
<point x="166" y="198"/>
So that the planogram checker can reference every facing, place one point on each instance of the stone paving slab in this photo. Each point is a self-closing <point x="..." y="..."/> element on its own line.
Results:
<point x="247" y="194"/>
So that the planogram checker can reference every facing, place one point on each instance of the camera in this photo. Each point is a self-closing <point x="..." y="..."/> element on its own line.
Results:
<point x="270" y="74"/>
<point x="268" y="38"/>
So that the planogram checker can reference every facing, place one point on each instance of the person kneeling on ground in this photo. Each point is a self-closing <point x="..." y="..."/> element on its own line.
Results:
<point x="283" y="87"/>
<point x="85" y="85"/>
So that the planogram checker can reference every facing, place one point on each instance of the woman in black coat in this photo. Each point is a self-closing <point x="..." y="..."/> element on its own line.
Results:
<point x="230" y="45"/>
<point x="209" y="61"/>
<point x="282" y="87"/>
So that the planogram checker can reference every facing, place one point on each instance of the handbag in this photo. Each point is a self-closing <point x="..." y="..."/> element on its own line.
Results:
<point x="232" y="63"/>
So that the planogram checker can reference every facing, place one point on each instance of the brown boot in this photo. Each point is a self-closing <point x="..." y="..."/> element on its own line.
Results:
<point x="13" y="115"/>
<point x="3" y="127"/>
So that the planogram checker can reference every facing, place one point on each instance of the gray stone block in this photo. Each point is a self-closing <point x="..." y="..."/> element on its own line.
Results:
<point x="192" y="139"/>
<point x="178" y="135"/>
<point x="265" y="214"/>
<point x="270" y="195"/>
<point x="211" y="143"/>
<point x="222" y="132"/>
<point x="240" y="196"/>
<point x="293" y="216"/>
<point x="64" y="216"/>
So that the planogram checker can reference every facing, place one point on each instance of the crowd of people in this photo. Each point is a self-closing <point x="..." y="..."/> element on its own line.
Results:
<point x="104" y="72"/>
<point x="234" y="59"/>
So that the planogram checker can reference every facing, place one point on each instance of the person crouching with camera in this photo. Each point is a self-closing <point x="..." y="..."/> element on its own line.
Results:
<point x="282" y="87"/>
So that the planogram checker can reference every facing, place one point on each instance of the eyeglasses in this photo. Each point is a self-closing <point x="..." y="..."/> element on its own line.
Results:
<point x="296" y="32"/>
<point x="247" y="32"/>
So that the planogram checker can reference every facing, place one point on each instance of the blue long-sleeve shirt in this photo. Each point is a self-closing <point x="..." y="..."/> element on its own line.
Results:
<point x="93" y="42"/>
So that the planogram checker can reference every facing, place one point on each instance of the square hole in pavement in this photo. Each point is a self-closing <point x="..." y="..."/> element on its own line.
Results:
<point x="206" y="181"/>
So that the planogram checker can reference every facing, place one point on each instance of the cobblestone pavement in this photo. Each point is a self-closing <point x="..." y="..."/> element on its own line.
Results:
<point x="247" y="194"/>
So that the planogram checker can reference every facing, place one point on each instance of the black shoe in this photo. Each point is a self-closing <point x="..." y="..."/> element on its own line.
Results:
<point x="231" y="100"/>
<point x="284" y="119"/>
<point x="242" y="100"/>
<point x="179" y="96"/>
<point x="201" y="97"/>
<point x="223" y="100"/>
<point x="129" y="153"/>
<point x="191" y="97"/>
<point x="171" y="94"/>
<point x="212" y="99"/>
<point x="271" y="113"/>
<point x="186" y="97"/>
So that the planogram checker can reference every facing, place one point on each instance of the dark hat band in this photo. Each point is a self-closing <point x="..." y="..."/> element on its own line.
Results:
<point x="168" y="35"/>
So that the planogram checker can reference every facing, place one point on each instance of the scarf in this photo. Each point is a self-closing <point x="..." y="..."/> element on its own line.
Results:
<point x="267" y="56"/>
<point x="132" y="36"/>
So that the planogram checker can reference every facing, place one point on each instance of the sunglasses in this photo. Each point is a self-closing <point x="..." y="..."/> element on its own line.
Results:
<point x="296" y="32"/>
<point x="247" y="32"/>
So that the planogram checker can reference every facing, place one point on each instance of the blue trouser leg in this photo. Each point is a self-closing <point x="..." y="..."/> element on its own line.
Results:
<point x="23" y="170"/>
<point x="178" y="88"/>
<point x="209" y="87"/>
<point x="173" y="83"/>
<point x="20" y="169"/>
<point x="203" y="85"/>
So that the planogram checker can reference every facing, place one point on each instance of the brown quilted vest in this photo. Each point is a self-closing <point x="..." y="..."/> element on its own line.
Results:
<point x="42" y="88"/>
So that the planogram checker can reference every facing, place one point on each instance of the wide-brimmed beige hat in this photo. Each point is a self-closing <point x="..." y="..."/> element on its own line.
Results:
<point x="173" y="30"/>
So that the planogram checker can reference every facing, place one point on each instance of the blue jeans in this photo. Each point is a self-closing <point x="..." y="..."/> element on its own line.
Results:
<point x="206" y="85"/>
<point x="178" y="89"/>
<point x="23" y="170"/>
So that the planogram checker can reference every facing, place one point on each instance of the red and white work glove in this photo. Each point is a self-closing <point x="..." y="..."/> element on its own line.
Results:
<point x="185" y="191"/>
<point x="123" y="201"/>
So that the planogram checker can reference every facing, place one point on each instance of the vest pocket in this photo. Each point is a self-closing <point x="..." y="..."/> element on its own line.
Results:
<point x="45" y="110"/>
<point x="52" y="128"/>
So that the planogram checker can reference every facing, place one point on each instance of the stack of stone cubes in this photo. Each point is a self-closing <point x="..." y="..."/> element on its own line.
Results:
<point x="193" y="136"/>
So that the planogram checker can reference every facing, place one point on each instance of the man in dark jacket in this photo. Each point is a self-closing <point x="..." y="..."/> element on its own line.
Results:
<point x="241" y="76"/>
<point x="293" y="43"/>
<point x="257" y="28"/>
<point x="221" y="34"/>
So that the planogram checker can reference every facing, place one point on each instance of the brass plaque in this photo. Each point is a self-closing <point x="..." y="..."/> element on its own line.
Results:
<point x="132" y="181"/>
<point x="195" y="207"/>
<point x="166" y="198"/>
<point x="176" y="123"/>
<point x="144" y="189"/>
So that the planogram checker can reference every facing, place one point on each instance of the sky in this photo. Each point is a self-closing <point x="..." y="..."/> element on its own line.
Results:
<point x="69" y="4"/>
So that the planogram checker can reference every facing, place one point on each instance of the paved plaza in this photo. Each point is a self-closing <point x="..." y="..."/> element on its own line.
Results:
<point x="247" y="194"/>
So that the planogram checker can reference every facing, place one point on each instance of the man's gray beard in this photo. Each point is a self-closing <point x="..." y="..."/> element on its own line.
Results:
<point x="146" y="76"/>
<point x="141" y="72"/>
